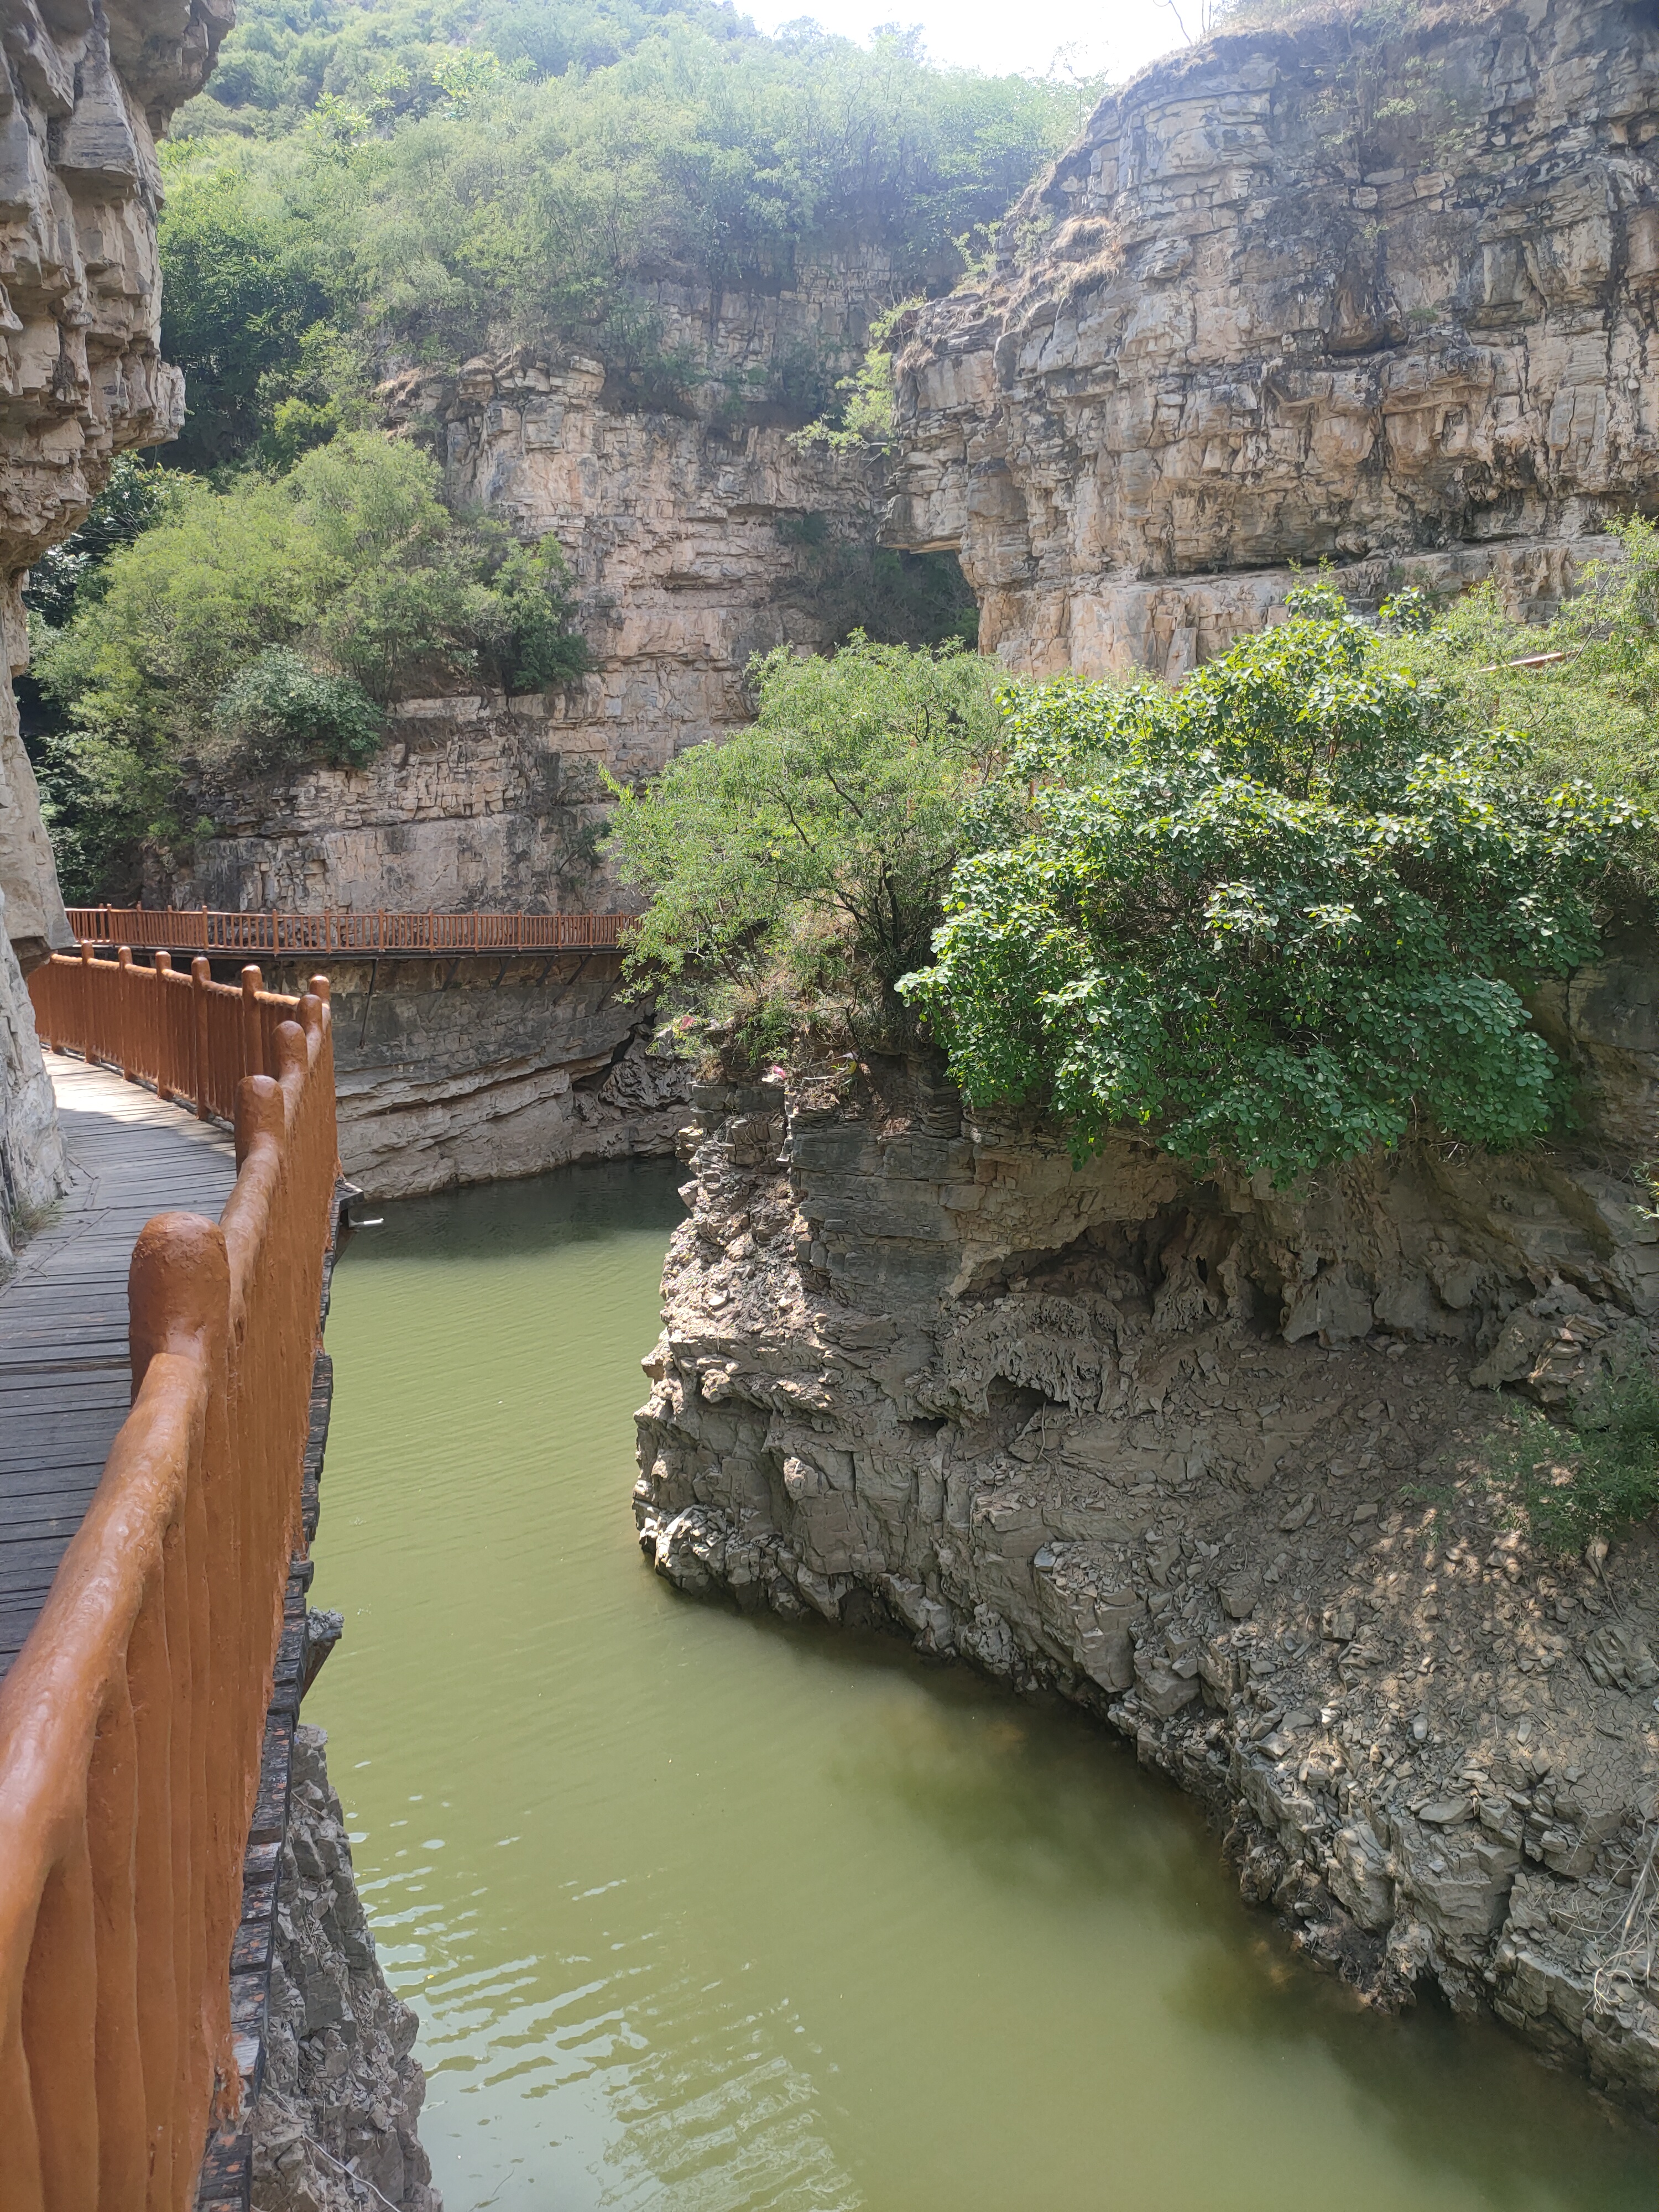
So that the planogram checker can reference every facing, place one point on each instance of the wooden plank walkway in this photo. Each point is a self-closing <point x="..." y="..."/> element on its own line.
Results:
<point x="64" y="1380"/>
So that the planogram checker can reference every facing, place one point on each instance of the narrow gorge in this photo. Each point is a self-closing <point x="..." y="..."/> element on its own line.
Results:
<point x="1182" y="1447"/>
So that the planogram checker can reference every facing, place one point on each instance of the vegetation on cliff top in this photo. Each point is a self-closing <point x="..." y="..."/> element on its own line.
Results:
<point x="416" y="182"/>
<point x="1280" y="916"/>
<point x="251" y="630"/>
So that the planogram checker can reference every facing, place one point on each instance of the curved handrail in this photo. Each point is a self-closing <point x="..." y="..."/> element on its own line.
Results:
<point x="131" y="1723"/>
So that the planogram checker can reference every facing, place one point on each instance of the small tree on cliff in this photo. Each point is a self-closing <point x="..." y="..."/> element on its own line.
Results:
<point x="799" y="868"/>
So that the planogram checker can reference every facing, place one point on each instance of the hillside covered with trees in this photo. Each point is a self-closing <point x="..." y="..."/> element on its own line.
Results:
<point x="367" y="186"/>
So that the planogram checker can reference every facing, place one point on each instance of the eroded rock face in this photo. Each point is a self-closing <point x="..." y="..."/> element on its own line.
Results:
<point x="1379" y="296"/>
<point x="477" y="1070"/>
<point x="87" y="87"/>
<point x="1164" y="1445"/>
<point x="342" y="2096"/>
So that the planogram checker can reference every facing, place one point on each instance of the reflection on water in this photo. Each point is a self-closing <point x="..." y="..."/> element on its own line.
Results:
<point x="705" y="1913"/>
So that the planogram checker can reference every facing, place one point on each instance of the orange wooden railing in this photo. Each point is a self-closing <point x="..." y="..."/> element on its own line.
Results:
<point x="345" y="929"/>
<point x="190" y="1037"/>
<point x="131" y="1721"/>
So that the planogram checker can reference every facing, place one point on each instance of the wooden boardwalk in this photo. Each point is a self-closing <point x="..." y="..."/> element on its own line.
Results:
<point x="64" y="1380"/>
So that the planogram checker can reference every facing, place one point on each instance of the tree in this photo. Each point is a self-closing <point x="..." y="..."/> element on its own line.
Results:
<point x="1280" y="917"/>
<point x="803" y="860"/>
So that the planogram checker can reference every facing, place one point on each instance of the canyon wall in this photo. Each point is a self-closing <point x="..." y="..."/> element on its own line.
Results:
<point x="1201" y="1456"/>
<point x="697" y="535"/>
<point x="87" y="87"/>
<point x="452" y="1072"/>
<point x="1376" y="289"/>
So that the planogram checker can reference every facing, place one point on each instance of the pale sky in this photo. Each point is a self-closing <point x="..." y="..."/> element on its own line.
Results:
<point x="1112" y="36"/>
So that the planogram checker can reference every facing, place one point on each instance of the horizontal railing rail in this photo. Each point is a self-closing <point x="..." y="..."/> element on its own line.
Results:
<point x="132" y="1721"/>
<point x="190" y="1037"/>
<point x="367" y="931"/>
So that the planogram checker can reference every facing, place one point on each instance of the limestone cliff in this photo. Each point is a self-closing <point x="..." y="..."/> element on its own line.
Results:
<point x="457" y="1071"/>
<point x="1376" y="287"/>
<point x="698" y="535"/>
<point x="88" y="87"/>
<point x="1182" y="1449"/>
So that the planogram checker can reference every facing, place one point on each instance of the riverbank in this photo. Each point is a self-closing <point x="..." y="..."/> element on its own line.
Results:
<point x="1161" y="1448"/>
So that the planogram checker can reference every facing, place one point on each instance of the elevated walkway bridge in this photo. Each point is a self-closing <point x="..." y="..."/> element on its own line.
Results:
<point x="159" y="1356"/>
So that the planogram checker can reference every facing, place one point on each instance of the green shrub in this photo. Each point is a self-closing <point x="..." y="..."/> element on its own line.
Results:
<point x="1280" y="916"/>
<point x="1597" y="1479"/>
<point x="253" y="628"/>
<point x="282" y="713"/>
<point x="803" y="862"/>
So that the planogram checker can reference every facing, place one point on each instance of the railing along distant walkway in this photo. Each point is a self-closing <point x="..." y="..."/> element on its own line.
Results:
<point x="369" y="932"/>
<point x="131" y="1721"/>
<point x="190" y="1037"/>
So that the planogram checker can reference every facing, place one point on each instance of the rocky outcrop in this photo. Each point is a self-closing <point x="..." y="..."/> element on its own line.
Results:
<point x="698" y="535"/>
<point x="87" y="87"/>
<point x="334" y="2125"/>
<point x="474" y="1070"/>
<point x="1187" y="1451"/>
<point x="480" y="802"/>
<point x="1377" y="287"/>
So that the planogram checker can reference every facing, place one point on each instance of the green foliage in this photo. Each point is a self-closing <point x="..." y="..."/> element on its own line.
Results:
<point x="73" y="574"/>
<point x="1280" y="916"/>
<point x="281" y="713"/>
<point x="239" y="294"/>
<point x="864" y="415"/>
<point x="1597" y="1479"/>
<point x="263" y="626"/>
<point x="1593" y="716"/>
<point x="437" y="178"/>
<point x="804" y="858"/>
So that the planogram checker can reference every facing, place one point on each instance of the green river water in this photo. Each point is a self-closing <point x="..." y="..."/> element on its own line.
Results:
<point x="704" y="1913"/>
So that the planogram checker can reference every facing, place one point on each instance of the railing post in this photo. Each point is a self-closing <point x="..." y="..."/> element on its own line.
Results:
<point x="320" y="988"/>
<point x="123" y="1008"/>
<point x="254" y="1043"/>
<point x="163" y="969"/>
<point x="201" y="975"/>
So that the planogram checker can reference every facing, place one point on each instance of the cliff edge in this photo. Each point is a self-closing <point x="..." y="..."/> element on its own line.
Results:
<point x="1186" y="1450"/>
<point x="1376" y="288"/>
<point x="86" y="90"/>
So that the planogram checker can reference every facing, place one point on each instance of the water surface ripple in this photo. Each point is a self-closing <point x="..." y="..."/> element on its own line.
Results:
<point x="706" y="1913"/>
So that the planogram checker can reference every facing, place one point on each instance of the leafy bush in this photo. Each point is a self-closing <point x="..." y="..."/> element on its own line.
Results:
<point x="799" y="866"/>
<point x="1593" y="714"/>
<point x="258" y="626"/>
<point x="1280" y="916"/>
<point x="281" y="713"/>
<point x="1597" y="1479"/>
<point x="73" y="572"/>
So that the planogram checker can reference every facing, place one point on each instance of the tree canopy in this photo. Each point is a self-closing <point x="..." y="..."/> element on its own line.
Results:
<point x="256" y="627"/>
<point x="422" y="180"/>
<point x="1281" y="916"/>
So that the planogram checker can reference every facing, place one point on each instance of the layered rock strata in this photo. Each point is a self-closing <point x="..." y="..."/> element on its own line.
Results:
<point x="697" y="535"/>
<point x="476" y="1070"/>
<point x="1376" y="288"/>
<point x="1186" y="1451"/>
<point x="88" y="87"/>
<point x="335" y="2126"/>
<point x="472" y="802"/>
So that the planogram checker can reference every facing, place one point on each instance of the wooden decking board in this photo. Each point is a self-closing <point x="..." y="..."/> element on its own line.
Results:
<point x="64" y="1375"/>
